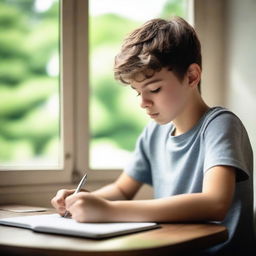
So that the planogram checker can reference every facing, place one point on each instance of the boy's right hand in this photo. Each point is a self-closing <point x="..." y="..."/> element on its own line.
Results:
<point x="58" y="202"/>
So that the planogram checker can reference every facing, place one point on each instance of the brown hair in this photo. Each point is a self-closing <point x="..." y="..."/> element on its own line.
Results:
<point x="157" y="44"/>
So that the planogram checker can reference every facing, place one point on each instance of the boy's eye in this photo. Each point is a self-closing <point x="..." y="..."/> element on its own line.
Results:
<point x="156" y="90"/>
<point x="138" y="93"/>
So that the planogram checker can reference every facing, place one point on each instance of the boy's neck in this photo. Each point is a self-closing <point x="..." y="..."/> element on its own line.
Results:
<point x="190" y="115"/>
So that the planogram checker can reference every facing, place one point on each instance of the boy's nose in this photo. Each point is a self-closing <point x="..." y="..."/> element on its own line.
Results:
<point x="145" y="102"/>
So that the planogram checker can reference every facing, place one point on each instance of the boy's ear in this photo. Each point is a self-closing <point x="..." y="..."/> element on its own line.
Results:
<point x="194" y="75"/>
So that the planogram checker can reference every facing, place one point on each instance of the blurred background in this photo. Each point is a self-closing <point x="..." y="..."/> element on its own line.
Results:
<point x="116" y="119"/>
<point x="30" y="117"/>
<point x="29" y="83"/>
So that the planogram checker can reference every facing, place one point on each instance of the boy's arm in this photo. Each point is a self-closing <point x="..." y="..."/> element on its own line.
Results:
<point x="211" y="204"/>
<point x="124" y="188"/>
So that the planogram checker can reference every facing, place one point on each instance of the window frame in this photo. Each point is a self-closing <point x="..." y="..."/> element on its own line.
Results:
<point x="21" y="175"/>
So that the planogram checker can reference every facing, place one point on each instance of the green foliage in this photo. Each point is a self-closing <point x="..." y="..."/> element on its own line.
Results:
<point x="28" y="129"/>
<point x="174" y="8"/>
<point x="109" y="29"/>
<point x="43" y="41"/>
<point x="110" y="120"/>
<point x="16" y="150"/>
<point x="13" y="71"/>
<point x="115" y="114"/>
<point x="21" y="99"/>
<point x="11" y="17"/>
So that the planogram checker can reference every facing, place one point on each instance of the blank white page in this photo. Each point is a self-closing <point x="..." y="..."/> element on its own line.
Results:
<point x="54" y="223"/>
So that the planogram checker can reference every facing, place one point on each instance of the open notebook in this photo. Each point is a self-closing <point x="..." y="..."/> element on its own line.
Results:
<point x="54" y="223"/>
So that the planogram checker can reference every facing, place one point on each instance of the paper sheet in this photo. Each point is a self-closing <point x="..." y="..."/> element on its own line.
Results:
<point x="22" y="209"/>
<point x="54" y="223"/>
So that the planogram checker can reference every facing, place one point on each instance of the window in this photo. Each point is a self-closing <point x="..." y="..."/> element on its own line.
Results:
<point x="29" y="84"/>
<point x="36" y="130"/>
<point x="68" y="150"/>
<point x="115" y="118"/>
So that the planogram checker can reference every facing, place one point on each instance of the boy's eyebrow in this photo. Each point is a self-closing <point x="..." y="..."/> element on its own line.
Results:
<point x="152" y="81"/>
<point x="149" y="82"/>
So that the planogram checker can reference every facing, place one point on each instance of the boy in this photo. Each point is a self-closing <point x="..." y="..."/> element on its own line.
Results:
<point x="198" y="159"/>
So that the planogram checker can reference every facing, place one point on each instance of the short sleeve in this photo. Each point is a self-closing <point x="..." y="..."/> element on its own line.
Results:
<point x="139" y="165"/>
<point x="226" y="143"/>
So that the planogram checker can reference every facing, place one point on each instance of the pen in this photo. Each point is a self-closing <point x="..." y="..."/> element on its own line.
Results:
<point x="81" y="183"/>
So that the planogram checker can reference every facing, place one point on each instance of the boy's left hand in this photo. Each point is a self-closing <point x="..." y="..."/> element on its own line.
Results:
<point x="85" y="207"/>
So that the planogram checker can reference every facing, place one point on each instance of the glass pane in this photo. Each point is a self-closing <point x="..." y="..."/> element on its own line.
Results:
<point x="29" y="84"/>
<point x="116" y="119"/>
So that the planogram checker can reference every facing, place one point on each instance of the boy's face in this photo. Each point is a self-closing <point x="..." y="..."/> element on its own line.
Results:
<point x="163" y="96"/>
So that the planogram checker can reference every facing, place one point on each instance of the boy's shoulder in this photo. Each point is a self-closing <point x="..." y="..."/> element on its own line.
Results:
<point x="221" y="119"/>
<point x="218" y="119"/>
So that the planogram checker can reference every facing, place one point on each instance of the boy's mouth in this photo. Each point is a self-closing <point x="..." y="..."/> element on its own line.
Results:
<point x="153" y="115"/>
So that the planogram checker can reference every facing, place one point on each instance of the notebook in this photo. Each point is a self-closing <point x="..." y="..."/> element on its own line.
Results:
<point x="54" y="223"/>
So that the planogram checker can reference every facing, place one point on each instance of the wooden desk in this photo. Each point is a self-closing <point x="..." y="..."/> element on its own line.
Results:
<point x="170" y="239"/>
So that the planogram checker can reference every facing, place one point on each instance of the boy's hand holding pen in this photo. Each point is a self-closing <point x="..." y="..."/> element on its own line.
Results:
<point x="59" y="200"/>
<point x="83" y="206"/>
<point x="78" y="189"/>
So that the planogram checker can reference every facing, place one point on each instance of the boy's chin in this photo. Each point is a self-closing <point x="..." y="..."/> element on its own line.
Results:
<point x="163" y="122"/>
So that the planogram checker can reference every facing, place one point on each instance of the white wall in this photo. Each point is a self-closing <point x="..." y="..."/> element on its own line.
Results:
<point x="227" y="30"/>
<point x="209" y="24"/>
<point x="241" y="65"/>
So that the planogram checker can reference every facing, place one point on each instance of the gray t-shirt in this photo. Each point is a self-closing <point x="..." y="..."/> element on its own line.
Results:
<point x="176" y="165"/>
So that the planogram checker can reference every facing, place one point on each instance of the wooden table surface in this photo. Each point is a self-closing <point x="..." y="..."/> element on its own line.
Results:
<point x="169" y="239"/>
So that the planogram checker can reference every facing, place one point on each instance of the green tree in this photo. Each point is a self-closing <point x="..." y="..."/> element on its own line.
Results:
<point x="111" y="119"/>
<point x="28" y="40"/>
<point x="114" y="114"/>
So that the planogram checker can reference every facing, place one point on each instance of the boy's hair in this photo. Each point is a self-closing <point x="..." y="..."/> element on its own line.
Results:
<point x="157" y="44"/>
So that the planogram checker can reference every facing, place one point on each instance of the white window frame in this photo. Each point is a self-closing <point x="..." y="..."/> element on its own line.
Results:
<point x="25" y="176"/>
<point x="82" y="138"/>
